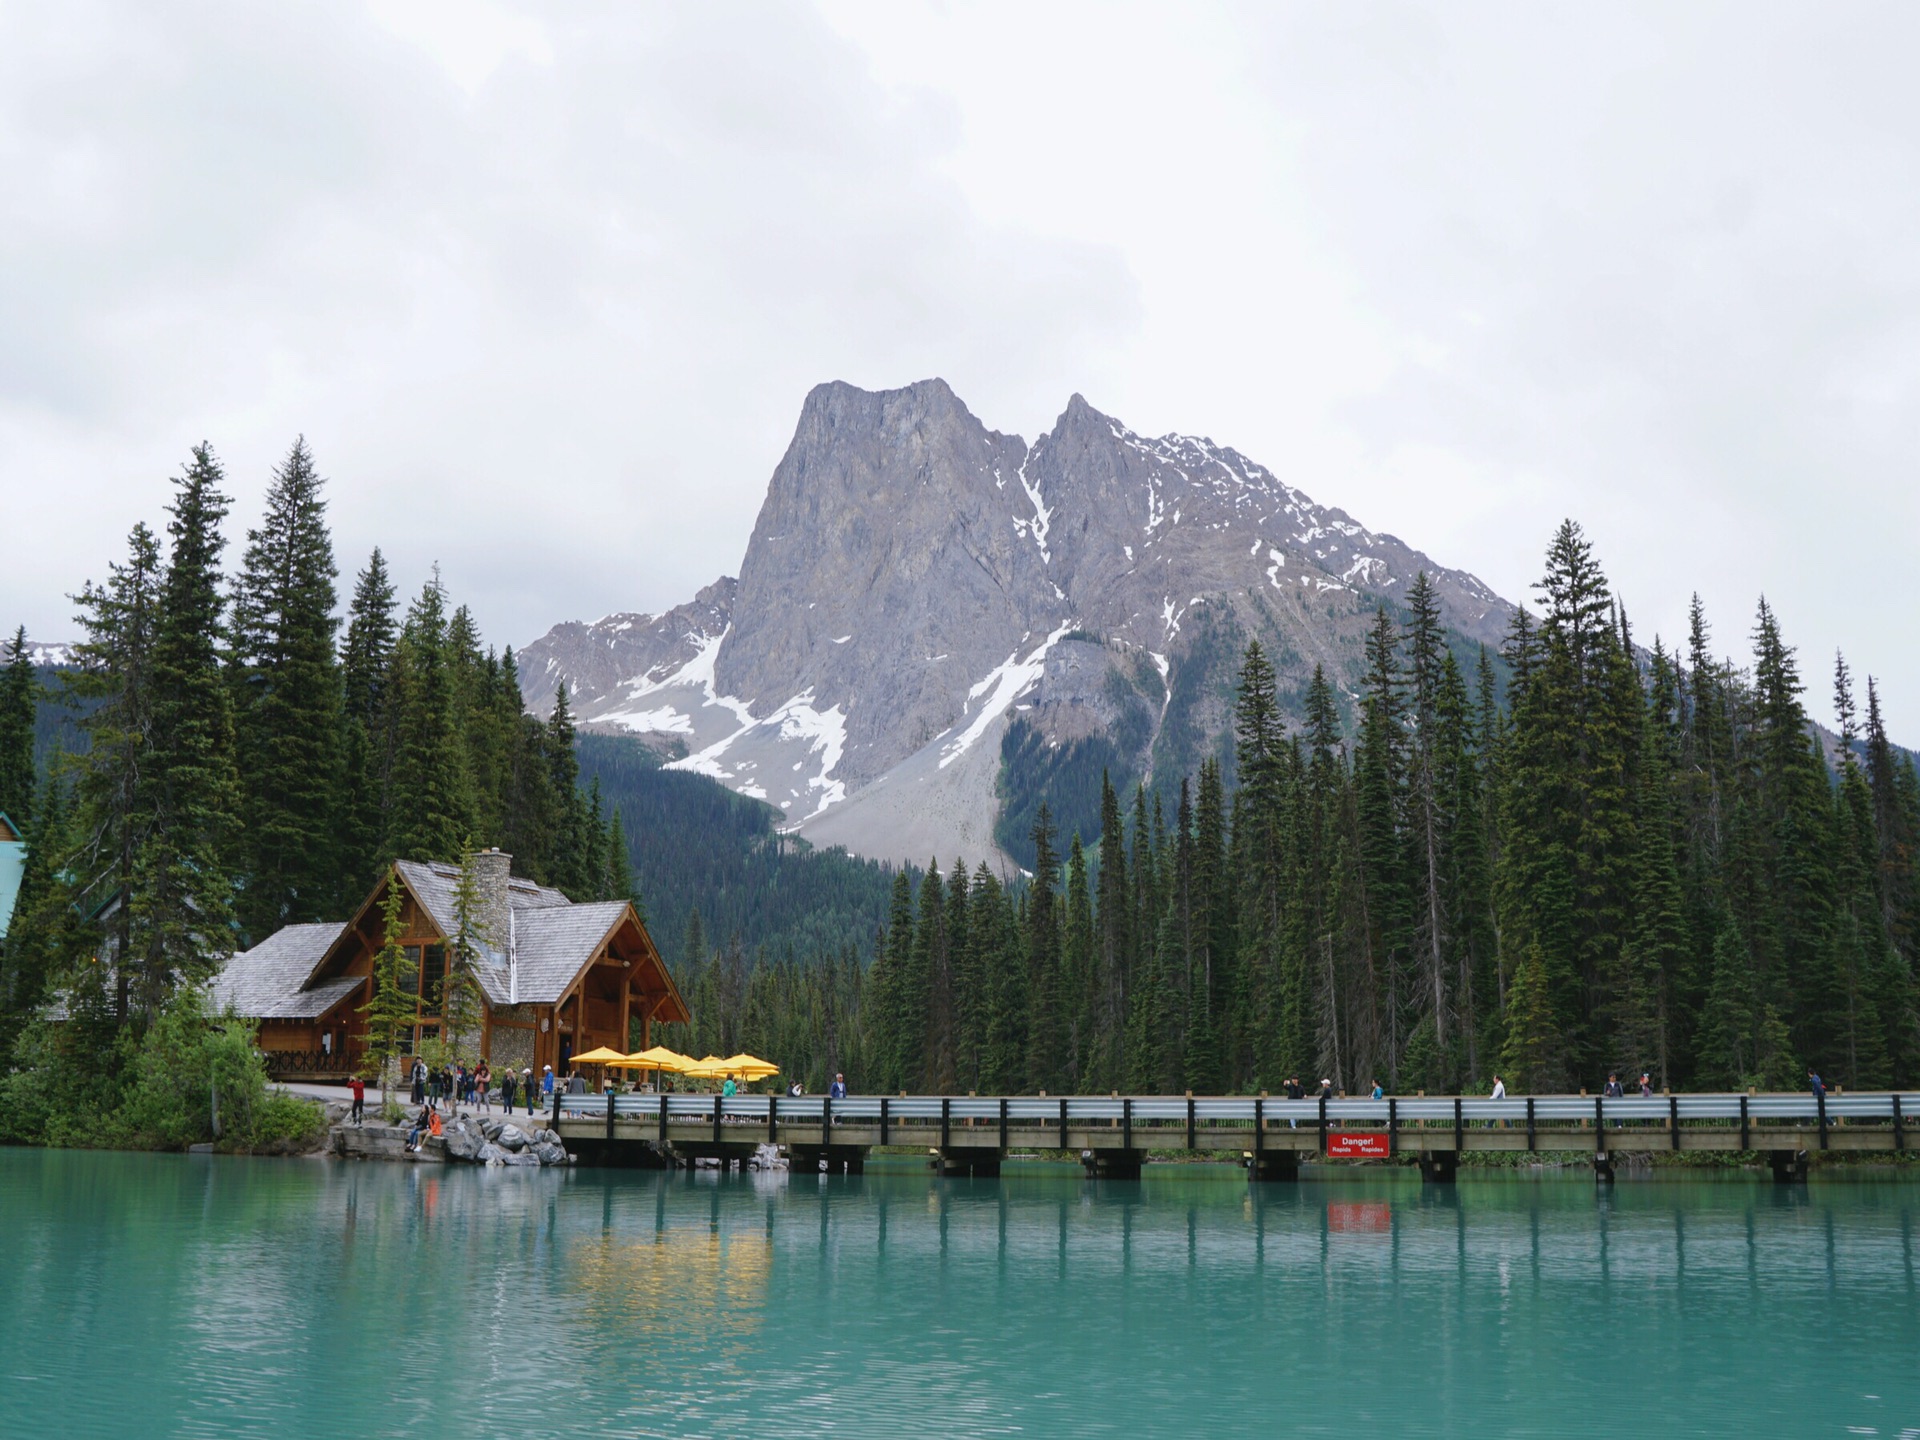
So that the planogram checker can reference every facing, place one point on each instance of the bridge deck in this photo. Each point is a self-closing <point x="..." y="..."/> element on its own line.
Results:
<point x="1240" y="1126"/>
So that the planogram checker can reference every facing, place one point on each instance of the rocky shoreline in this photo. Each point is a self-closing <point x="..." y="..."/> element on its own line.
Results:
<point x="494" y="1141"/>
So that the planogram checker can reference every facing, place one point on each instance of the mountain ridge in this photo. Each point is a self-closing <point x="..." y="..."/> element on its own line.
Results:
<point x="917" y="583"/>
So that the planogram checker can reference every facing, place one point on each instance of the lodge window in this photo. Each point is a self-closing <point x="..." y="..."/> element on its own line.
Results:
<point x="425" y="969"/>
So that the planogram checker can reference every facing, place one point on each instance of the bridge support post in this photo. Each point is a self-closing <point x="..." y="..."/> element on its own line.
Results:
<point x="1439" y="1167"/>
<point x="1603" y="1166"/>
<point x="978" y="1162"/>
<point x="1789" y="1166"/>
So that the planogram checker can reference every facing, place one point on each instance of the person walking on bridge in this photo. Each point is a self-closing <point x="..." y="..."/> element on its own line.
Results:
<point x="1816" y="1084"/>
<point x="1646" y="1086"/>
<point x="1499" y="1093"/>
<point x="837" y="1090"/>
<point x="1613" y="1090"/>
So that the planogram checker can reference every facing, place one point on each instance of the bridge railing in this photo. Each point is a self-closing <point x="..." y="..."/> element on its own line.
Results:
<point x="917" y="1114"/>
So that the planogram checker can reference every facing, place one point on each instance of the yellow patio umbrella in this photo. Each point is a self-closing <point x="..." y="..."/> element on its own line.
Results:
<point x="750" y="1067"/>
<point x="600" y="1056"/>
<point x="660" y="1058"/>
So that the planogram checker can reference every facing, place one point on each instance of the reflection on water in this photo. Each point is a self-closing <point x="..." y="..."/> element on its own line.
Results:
<point x="228" y="1297"/>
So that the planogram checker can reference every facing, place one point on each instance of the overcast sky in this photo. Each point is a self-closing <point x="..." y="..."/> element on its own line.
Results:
<point x="544" y="287"/>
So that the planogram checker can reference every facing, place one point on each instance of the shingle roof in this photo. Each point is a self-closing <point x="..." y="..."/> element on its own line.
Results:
<point x="551" y="944"/>
<point x="264" y="983"/>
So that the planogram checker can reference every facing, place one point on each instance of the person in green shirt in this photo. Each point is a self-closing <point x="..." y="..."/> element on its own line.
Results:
<point x="729" y="1090"/>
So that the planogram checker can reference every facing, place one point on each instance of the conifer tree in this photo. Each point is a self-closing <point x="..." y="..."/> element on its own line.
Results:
<point x="288" y="705"/>
<point x="472" y="940"/>
<point x="392" y="1002"/>
<point x="430" y="802"/>
<point x="18" y="693"/>
<point x="182" y="896"/>
<point x="367" y="661"/>
<point x="1046" y="1022"/>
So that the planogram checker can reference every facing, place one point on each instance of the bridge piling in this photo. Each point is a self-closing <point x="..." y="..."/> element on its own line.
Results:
<point x="1789" y="1166"/>
<point x="1439" y="1167"/>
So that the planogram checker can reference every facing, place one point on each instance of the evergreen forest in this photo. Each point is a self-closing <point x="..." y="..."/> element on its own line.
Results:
<point x="1634" y="861"/>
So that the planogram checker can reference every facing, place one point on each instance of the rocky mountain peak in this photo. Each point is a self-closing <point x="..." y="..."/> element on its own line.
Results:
<point x="911" y="572"/>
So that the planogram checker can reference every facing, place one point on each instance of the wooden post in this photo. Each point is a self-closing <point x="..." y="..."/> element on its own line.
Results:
<point x="773" y="1119"/>
<point x="946" y="1122"/>
<point x="1259" y="1127"/>
<point x="1530" y="1144"/>
<point x="1673" y="1117"/>
<point x="716" y="1118"/>
<point x="1743" y="1124"/>
<point x="883" y="1120"/>
<point x="1599" y="1125"/>
<point x="1063" y="1122"/>
<point x="609" y="1098"/>
<point x="1459" y="1128"/>
<point x="1820" y="1103"/>
<point x="826" y="1120"/>
<point x="1003" y="1122"/>
<point x="662" y="1098"/>
<point x="1393" y="1125"/>
<point x="1126" y="1123"/>
<point x="1899" y="1133"/>
<point x="1323" y="1122"/>
<point x="1190" y="1135"/>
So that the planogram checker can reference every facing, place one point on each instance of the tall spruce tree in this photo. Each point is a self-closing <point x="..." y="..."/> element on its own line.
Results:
<point x="288" y="700"/>
<point x="19" y="692"/>
<point x="182" y="893"/>
<point x="430" y="799"/>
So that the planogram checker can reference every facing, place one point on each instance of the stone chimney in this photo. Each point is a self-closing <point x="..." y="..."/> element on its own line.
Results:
<point x="491" y="869"/>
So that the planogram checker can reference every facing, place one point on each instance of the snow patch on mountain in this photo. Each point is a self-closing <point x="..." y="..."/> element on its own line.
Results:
<point x="1003" y="685"/>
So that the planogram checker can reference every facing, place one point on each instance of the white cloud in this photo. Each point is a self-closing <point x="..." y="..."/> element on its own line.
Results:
<point x="544" y="286"/>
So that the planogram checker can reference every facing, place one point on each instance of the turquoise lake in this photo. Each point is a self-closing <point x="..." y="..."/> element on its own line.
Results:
<point x="172" y="1295"/>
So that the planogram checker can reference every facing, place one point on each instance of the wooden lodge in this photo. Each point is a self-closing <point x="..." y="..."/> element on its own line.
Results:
<point x="556" y="978"/>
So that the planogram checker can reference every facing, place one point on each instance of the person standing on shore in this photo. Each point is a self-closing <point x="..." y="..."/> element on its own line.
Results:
<point x="483" y="1086"/>
<point x="526" y="1087"/>
<point x="359" y="1088"/>
<point x="506" y="1090"/>
<point x="417" y="1078"/>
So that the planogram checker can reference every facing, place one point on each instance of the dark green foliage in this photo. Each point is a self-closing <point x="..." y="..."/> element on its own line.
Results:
<point x="1064" y="778"/>
<point x="19" y="694"/>
<point x="287" y="688"/>
<point x="697" y="847"/>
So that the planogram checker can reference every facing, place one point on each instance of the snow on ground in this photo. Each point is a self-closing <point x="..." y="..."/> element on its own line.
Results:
<point x="1004" y="684"/>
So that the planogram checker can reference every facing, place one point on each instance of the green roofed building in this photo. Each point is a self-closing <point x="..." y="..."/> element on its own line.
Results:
<point x="13" y="861"/>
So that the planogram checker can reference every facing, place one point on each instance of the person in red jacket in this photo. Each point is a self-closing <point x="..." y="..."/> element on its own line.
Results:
<point x="359" y="1089"/>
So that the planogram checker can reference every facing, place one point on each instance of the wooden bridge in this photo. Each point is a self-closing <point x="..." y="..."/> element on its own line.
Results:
<point x="972" y="1135"/>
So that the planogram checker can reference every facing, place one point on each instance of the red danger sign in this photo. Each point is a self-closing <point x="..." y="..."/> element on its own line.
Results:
<point x="1356" y="1144"/>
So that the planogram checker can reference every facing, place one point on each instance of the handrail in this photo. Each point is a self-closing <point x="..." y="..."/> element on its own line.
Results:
<point x="1168" y="1112"/>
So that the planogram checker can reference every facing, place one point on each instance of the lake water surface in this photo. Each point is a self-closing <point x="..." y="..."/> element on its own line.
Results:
<point x="170" y="1295"/>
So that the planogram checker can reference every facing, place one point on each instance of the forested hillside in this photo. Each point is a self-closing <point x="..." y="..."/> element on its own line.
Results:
<point x="697" y="847"/>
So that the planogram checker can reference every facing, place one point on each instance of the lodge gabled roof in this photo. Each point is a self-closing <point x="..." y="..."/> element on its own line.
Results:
<point x="550" y="941"/>
<point x="269" y="982"/>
